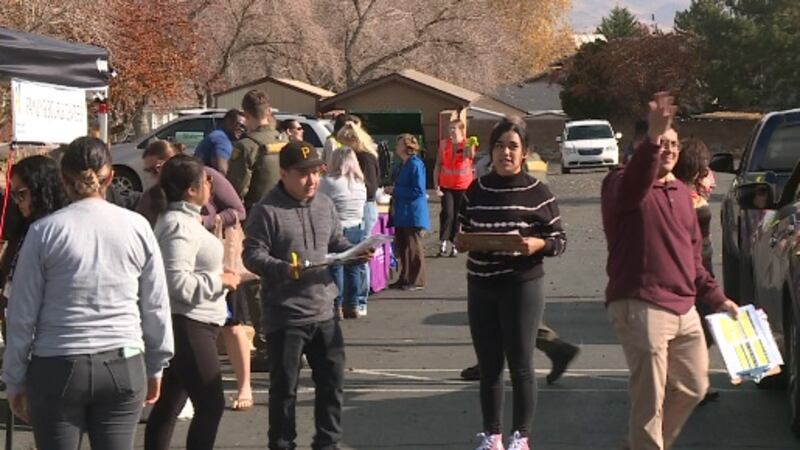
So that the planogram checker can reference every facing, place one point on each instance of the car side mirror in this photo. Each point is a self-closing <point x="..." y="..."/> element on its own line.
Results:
<point x="618" y="136"/>
<point x="758" y="196"/>
<point x="722" y="162"/>
<point x="558" y="139"/>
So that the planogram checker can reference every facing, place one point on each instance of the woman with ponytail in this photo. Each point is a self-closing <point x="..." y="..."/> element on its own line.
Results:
<point x="89" y="329"/>
<point x="197" y="287"/>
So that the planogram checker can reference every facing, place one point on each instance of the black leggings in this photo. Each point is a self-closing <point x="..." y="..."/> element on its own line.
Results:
<point x="503" y="319"/>
<point x="448" y="217"/>
<point x="193" y="372"/>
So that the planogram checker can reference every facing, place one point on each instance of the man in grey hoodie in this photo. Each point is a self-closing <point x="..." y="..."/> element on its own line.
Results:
<point x="292" y="224"/>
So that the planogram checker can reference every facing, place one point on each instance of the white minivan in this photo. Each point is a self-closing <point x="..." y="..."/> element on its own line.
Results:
<point x="588" y="144"/>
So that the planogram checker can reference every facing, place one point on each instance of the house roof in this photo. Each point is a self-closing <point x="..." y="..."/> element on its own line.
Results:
<point x="533" y="95"/>
<point x="729" y="115"/>
<point x="297" y="85"/>
<point x="459" y="94"/>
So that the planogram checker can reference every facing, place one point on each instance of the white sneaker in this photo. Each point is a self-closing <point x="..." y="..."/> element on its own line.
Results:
<point x="362" y="310"/>
<point x="187" y="412"/>
<point x="490" y="442"/>
<point x="517" y="442"/>
<point x="442" y="248"/>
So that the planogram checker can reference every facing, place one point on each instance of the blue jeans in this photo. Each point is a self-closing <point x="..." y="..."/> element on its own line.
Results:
<point x="370" y="219"/>
<point x="350" y="278"/>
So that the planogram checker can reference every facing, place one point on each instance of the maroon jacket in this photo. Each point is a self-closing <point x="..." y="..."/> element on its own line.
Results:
<point x="654" y="241"/>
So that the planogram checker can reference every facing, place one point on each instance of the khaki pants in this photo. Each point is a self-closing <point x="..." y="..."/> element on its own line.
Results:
<point x="668" y="362"/>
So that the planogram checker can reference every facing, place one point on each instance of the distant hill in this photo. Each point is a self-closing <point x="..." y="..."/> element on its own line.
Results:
<point x="586" y="14"/>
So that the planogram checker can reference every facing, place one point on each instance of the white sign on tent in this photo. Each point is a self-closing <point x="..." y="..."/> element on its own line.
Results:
<point x="47" y="113"/>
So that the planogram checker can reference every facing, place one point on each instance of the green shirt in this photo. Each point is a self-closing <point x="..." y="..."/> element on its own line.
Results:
<point x="253" y="169"/>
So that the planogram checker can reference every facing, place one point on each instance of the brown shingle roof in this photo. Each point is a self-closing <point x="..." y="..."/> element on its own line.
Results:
<point x="297" y="85"/>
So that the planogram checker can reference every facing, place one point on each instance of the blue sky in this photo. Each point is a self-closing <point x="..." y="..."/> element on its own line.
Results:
<point x="586" y="14"/>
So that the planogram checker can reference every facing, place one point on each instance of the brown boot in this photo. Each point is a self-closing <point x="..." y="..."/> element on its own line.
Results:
<point x="350" y="312"/>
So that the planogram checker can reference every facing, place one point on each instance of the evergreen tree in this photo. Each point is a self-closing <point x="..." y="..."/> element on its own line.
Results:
<point x="621" y="23"/>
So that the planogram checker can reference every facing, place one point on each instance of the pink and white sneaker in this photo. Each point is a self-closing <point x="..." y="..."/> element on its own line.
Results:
<point x="517" y="442"/>
<point x="490" y="442"/>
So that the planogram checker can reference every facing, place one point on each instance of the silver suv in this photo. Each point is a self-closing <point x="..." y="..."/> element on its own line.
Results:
<point x="189" y="130"/>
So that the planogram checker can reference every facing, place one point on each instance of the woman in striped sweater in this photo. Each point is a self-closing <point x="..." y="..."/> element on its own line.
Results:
<point x="505" y="298"/>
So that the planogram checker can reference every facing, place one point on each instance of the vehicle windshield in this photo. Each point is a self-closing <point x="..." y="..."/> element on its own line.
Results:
<point x="583" y="132"/>
<point x="783" y="149"/>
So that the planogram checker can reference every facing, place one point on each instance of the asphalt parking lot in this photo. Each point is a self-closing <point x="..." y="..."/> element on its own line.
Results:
<point x="403" y="389"/>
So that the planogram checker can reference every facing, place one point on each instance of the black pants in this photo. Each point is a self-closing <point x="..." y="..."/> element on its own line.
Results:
<point x="323" y="345"/>
<point x="448" y="216"/>
<point x="504" y="319"/>
<point x="408" y="245"/>
<point x="99" y="394"/>
<point x="194" y="372"/>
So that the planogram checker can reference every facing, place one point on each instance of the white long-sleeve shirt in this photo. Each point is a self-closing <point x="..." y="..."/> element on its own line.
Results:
<point x="89" y="279"/>
<point x="193" y="263"/>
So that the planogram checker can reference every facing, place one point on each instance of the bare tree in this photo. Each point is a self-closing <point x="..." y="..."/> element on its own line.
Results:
<point x="232" y="30"/>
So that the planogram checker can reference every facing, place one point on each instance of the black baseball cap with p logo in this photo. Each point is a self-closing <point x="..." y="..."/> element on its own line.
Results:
<point x="299" y="155"/>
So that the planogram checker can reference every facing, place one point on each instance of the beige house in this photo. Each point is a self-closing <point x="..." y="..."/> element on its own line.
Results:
<point x="410" y="90"/>
<point x="286" y="95"/>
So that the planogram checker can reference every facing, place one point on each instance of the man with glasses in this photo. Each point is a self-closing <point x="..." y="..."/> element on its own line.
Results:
<point x="655" y="274"/>
<point x="215" y="149"/>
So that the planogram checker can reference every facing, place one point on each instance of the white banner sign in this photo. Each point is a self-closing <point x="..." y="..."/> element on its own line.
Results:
<point x="47" y="113"/>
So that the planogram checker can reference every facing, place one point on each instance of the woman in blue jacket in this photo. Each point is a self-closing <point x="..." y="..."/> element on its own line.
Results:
<point x="410" y="214"/>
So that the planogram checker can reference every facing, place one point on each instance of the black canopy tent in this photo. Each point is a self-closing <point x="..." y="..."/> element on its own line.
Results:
<point x="39" y="58"/>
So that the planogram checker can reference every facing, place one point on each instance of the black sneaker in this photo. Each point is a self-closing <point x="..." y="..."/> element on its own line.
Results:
<point x="711" y="396"/>
<point x="472" y="373"/>
<point x="561" y="355"/>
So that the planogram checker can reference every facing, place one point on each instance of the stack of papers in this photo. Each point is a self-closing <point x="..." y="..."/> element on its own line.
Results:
<point x="746" y="343"/>
<point x="352" y="254"/>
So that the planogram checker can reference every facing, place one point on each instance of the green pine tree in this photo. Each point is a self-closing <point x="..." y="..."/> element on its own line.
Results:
<point x="621" y="23"/>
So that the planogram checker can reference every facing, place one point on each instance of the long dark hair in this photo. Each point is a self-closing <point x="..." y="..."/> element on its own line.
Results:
<point x="177" y="175"/>
<point x="42" y="177"/>
<point x="86" y="166"/>
<point x="692" y="161"/>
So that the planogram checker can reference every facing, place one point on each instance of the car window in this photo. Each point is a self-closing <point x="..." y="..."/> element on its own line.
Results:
<point x="187" y="132"/>
<point x="582" y="132"/>
<point x="782" y="150"/>
<point x="310" y="136"/>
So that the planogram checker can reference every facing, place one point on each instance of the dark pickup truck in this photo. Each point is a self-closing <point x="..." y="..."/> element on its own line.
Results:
<point x="770" y="156"/>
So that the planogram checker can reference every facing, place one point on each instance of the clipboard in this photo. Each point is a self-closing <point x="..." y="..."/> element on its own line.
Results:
<point x="492" y="242"/>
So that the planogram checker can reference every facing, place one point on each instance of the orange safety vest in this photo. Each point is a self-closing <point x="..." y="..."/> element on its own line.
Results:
<point x="455" y="170"/>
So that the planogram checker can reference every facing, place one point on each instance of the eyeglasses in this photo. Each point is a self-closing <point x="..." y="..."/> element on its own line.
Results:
<point x="18" y="194"/>
<point x="667" y="145"/>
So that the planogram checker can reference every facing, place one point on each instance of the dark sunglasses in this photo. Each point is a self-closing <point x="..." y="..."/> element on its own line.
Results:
<point x="18" y="194"/>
